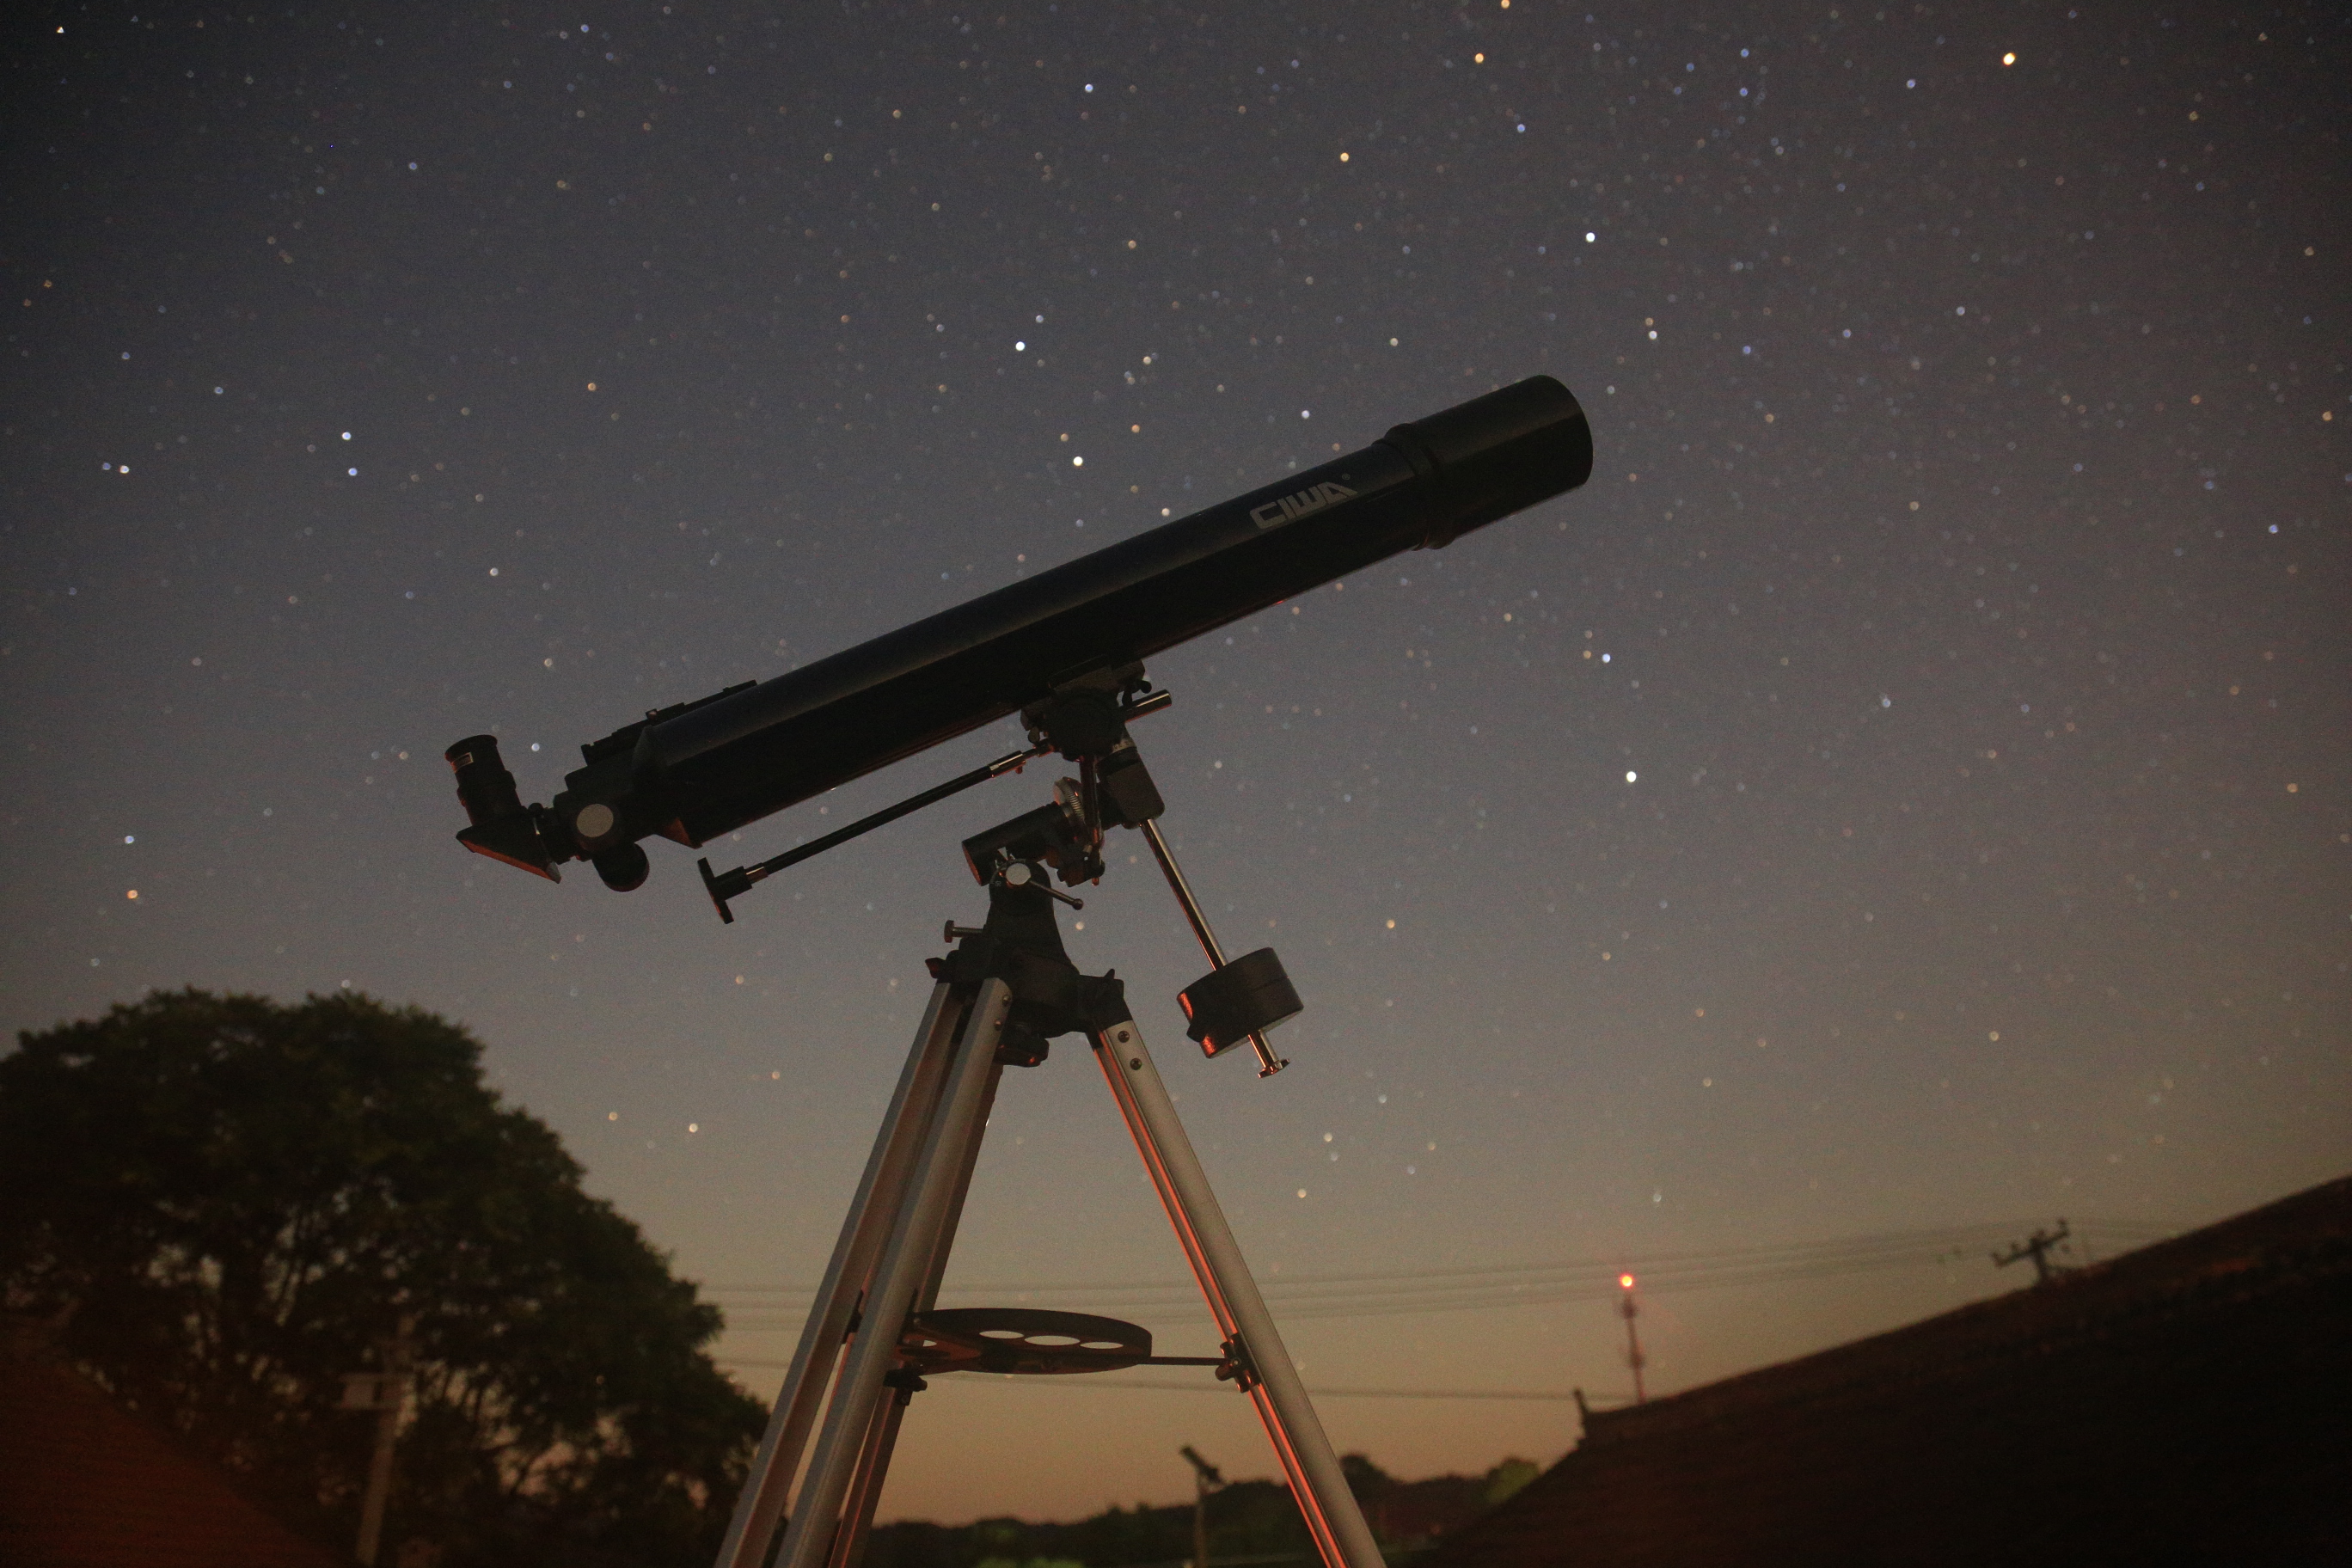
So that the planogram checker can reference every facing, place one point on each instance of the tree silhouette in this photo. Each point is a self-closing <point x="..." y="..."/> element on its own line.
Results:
<point x="229" y="1203"/>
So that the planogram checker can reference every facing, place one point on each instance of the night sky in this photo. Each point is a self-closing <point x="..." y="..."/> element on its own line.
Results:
<point x="1905" y="790"/>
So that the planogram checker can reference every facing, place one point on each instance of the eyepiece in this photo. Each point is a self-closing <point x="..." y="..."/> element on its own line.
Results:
<point x="503" y="828"/>
<point x="485" y="787"/>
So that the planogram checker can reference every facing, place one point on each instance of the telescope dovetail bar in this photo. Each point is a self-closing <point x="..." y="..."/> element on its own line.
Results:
<point x="698" y="770"/>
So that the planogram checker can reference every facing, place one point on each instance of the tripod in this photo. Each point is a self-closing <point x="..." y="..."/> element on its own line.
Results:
<point x="875" y="1331"/>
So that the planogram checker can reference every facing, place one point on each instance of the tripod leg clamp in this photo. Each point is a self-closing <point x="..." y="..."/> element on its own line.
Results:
<point x="1238" y="1369"/>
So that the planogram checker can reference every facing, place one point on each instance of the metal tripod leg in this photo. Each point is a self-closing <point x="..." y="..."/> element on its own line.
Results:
<point x="882" y="1442"/>
<point x="1334" y="1521"/>
<point x="866" y="1487"/>
<point x="906" y="1260"/>
<point x="866" y="1491"/>
<point x="880" y="1195"/>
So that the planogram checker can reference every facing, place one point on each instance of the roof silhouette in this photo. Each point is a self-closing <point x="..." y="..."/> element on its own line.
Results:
<point x="85" y="1484"/>
<point x="2184" y="1401"/>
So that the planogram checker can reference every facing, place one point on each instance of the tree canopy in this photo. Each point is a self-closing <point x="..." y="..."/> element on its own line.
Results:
<point x="229" y="1203"/>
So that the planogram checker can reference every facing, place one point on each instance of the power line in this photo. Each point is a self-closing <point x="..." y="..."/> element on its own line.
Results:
<point x="1656" y="1263"/>
<point x="1155" y="1386"/>
<point x="1503" y="1287"/>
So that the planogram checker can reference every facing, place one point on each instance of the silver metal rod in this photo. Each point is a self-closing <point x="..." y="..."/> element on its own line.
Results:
<point x="1183" y="891"/>
<point x="863" y="1232"/>
<point x="874" y="1464"/>
<point x="866" y="1487"/>
<point x="857" y="1515"/>
<point x="1296" y="1432"/>
<point x="935" y="1270"/>
<point x="1156" y="1166"/>
<point x="849" y="1418"/>
<point x="1268" y="1064"/>
<point x="882" y="1441"/>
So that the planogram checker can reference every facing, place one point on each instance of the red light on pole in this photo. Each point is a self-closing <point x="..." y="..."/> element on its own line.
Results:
<point x="1633" y="1357"/>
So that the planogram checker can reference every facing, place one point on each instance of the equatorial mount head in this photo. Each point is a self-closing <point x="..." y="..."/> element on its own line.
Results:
<point x="1085" y="720"/>
<point x="1056" y="835"/>
<point x="1238" y="1001"/>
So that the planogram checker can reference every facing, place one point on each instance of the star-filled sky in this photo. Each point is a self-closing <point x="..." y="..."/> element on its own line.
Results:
<point x="1903" y="796"/>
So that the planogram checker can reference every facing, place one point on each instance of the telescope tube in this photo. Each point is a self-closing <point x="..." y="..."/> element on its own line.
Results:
<point x="703" y="770"/>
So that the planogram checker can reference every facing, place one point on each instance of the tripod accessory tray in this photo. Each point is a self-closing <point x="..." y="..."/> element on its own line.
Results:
<point x="1029" y="1340"/>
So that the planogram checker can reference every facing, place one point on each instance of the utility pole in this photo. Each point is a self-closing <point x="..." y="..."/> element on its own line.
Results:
<point x="1205" y="1479"/>
<point x="1632" y="1337"/>
<point x="2038" y="1246"/>
<point x="385" y="1392"/>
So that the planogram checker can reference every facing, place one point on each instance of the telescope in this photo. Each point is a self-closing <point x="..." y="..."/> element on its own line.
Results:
<point x="1064" y="649"/>
<point x="698" y="770"/>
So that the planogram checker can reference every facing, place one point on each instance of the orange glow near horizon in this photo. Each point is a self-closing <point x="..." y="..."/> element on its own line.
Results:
<point x="1626" y="1280"/>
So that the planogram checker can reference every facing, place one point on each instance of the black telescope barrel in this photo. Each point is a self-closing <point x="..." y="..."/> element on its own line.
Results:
<point x="729" y="762"/>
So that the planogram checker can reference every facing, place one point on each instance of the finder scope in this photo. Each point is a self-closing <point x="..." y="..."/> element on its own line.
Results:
<point x="698" y="770"/>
